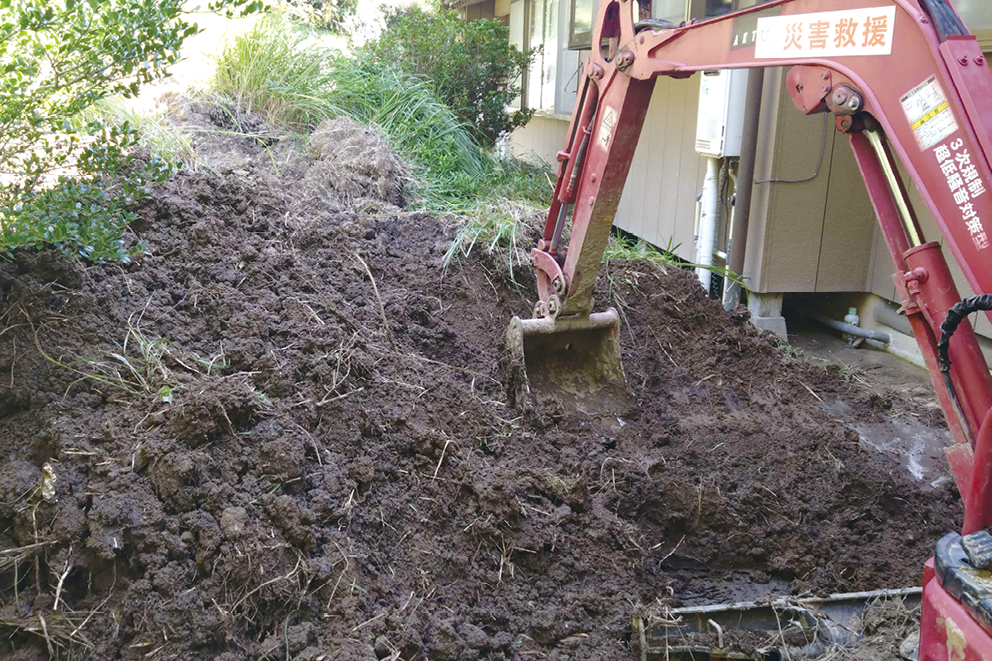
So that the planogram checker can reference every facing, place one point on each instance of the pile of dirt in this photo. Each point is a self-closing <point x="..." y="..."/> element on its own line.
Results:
<point x="282" y="434"/>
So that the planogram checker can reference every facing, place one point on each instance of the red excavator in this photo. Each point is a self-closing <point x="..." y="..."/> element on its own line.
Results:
<point x="902" y="78"/>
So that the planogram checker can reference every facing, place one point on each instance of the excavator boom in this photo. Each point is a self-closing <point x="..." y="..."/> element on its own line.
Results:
<point x="903" y="79"/>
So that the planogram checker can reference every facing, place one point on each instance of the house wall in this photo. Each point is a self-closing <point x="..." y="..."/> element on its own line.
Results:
<point x="659" y="201"/>
<point x="817" y="236"/>
<point x="809" y="236"/>
<point x="805" y="237"/>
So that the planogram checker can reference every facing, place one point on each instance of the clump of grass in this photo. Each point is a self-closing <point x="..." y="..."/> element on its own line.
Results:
<point x="639" y="250"/>
<point x="415" y="122"/>
<point x="272" y="71"/>
<point x="623" y="246"/>
<point x="139" y="368"/>
<point x="282" y="72"/>
<point x="157" y="133"/>
<point x="499" y="227"/>
<point x="506" y="219"/>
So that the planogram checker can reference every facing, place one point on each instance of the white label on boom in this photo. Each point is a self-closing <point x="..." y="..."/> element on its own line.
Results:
<point x="606" y="127"/>
<point x="827" y="34"/>
<point x="929" y="113"/>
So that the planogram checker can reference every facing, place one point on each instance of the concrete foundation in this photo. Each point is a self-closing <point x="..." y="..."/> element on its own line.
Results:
<point x="766" y="313"/>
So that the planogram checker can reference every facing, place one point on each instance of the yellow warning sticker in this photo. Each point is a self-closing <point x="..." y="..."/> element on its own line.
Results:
<point x="929" y="113"/>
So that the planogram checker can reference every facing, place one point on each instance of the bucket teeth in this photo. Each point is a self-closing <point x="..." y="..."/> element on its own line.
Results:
<point x="572" y="362"/>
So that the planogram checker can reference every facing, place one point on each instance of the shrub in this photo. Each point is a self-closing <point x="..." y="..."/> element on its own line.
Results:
<point x="67" y="182"/>
<point x="329" y="15"/>
<point x="279" y="71"/>
<point x="290" y="79"/>
<point x="470" y="64"/>
<point x="294" y="82"/>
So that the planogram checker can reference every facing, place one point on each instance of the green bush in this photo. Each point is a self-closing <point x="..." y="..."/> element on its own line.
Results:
<point x="68" y="182"/>
<point x="280" y="72"/>
<point x="284" y="74"/>
<point x="470" y="64"/>
<point x="329" y="15"/>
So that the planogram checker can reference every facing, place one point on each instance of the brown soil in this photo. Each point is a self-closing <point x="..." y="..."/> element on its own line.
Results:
<point x="323" y="484"/>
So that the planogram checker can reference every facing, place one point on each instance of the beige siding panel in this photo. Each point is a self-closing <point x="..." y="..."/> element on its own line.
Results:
<point x="796" y="211"/>
<point x="655" y="212"/>
<point x="630" y="212"/>
<point x="882" y="268"/>
<point x="675" y="220"/>
<point x="637" y="185"/>
<point x="689" y="186"/>
<point x="540" y="140"/>
<point x="758" y="227"/>
<point x="659" y="201"/>
<point x="848" y="224"/>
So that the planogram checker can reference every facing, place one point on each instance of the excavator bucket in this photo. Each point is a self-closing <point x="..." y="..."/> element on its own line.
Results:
<point x="571" y="361"/>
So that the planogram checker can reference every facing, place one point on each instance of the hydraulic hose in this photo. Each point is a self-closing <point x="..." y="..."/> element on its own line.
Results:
<point x="944" y="19"/>
<point x="954" y="317"/>
<point x="656" y="24"/>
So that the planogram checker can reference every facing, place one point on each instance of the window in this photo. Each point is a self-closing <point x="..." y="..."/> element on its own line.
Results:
<point x="535" y="24"/>
<point x="977" y="15"/>
<point x="544" y="34"/>
<point x="669" y="10"/>
<point x="517" y="38"/>
<point x="580" y="25"/>
<point x="719" y="7"/>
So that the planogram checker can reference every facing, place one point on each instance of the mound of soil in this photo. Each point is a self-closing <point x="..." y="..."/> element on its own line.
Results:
<point x="282" y="434"/>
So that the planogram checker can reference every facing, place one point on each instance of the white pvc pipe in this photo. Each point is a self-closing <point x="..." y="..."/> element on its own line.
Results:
<point x="708" y="222"/>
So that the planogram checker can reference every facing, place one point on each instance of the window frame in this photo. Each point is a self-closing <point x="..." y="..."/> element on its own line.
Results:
<point x="581" y="40"/>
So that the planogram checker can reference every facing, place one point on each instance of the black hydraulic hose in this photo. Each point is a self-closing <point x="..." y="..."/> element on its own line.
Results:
<point x="944" y="19"/>
<point x="575" y="129"/>
<point x="955" y="316"/>
<point x="959" y="26"/>
<point x="938" y="20"/>
<point x="656" y="24"/>
<point x="580" y="155"/>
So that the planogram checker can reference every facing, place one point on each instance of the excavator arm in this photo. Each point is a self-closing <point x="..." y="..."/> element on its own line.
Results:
<point x="903" y="79"/>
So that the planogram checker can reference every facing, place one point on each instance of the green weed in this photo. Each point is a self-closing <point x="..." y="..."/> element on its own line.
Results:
<point x="790" y="350"/>
<point x="272" y="72"/>
<point x="155" y="131"/>
<point x="140" y="367"/>
<point x="283" y="72"/>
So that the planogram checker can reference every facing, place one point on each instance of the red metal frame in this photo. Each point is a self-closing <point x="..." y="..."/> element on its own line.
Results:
<point x="606" y="124"/>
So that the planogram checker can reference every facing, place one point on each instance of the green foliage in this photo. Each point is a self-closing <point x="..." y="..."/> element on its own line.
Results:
<point x="470" y="64"/>
<point x="67" y="182"/>
<point x="155" y="131"/>
<point x="269" y="70"/>
<point x="282" y="73"/>
<point x="328" y="15"/>
<point x="417" y="124"/>
<point x="505" y="219"/>
<point x="621" y="246"/>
